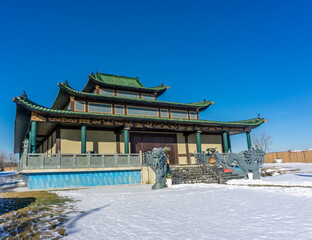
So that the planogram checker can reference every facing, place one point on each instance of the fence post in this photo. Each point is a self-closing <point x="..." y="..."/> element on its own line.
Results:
<point x="115" y="158"/>
<point x="89" y="159"/>
<point x="103" y="159"/>
<point x="141" y="157"/>
<point x="129" y="159"/>
<point x="58" y="155"/>
<point x="75" y="160"/>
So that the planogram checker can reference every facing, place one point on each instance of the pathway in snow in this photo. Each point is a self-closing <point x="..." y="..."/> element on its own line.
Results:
<point x="199" y="211"/>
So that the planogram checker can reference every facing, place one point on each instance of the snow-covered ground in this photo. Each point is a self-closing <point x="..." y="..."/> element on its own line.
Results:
<point x="296" y="174"/>
<point x="198" y="211"/>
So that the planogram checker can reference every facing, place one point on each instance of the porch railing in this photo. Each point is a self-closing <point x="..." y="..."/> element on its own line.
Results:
<point x="81" y="160"/>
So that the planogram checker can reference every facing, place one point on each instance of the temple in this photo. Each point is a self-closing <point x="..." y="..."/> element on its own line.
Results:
<point x="117" y="115"/>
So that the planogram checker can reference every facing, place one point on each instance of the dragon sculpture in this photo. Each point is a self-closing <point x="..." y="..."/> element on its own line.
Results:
<point x="157" y="160"/>
<point x="249" y="161"/>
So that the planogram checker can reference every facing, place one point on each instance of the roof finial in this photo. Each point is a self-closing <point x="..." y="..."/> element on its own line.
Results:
<point x="24" y="95"/>
<point x="66" y="83"/>
<point x="96" y="72"/>
<point x="137" y="77"/>
<point x="258" y="115"/>
<point x="204" y="99"/>
<point x="162" y="83"/>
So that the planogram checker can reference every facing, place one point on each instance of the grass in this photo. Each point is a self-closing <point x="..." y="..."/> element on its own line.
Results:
<point x="33" y="215"/>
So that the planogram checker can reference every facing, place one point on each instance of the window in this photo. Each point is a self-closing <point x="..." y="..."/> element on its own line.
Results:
<point x="80" y="106"/>
<point x="128" y="94"/>
<point x="147" y="96"/>
<point x="178" y="114"/>
<point x="143" y="111"/>
<point x="164" y="113"/>
<point x="107" y="92"/>
<point x="98" y="107"/>
<point x="119" y="109"/>
<point x="193" y="115"/>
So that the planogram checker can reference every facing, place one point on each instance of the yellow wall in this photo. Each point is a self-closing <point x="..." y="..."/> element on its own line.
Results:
<point x="211" y="141"/>
<point x="208" y="141"/>
<point x="97" y="140"/>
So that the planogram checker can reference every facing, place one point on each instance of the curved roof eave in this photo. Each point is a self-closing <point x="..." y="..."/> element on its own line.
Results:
<point x="200" y="106"/>
<point x="92" y="81"/>
<point x="251" y="123"/>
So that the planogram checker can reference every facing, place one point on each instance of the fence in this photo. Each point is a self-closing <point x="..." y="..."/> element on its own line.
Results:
<point x="290" y="156"/>
<point x="87" y="160"/>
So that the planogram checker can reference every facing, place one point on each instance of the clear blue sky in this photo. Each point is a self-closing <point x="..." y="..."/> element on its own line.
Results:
<point x="249" y="57"/>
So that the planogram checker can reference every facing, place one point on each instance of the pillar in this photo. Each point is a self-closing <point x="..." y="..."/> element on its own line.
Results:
<point x="229" y="143"/>
<point x="33" y="137"/>
<point x="126" y="140"/>
<point x="198" y="141"/>
<point x="83" y="138"/>
<point x="225" y="142"/>
<point x="29" y="142"/>
<point x="248" y="140"/>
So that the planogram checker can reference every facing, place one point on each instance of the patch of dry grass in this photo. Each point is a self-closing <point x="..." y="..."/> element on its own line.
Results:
<point x="33" y="215"/>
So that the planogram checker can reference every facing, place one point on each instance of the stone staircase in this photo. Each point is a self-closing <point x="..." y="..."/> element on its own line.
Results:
<point x="210" y="173"/>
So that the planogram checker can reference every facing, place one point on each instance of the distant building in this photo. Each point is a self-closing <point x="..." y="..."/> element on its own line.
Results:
<point x="119" y="114"/>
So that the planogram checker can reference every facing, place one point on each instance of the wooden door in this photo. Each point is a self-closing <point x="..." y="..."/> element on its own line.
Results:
<point x="147" y="141"/>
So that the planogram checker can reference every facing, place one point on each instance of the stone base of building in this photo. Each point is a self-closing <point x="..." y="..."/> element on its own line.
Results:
<point x="76" y="179"/>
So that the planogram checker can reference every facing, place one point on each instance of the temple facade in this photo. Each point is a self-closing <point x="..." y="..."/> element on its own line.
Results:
<point x="116" y="114"/>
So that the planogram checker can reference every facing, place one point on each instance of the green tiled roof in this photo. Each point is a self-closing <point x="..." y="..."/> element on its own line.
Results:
<point x="201" y="104"/>
<point x="122" y="81"/>
<point x="33" y="106"/>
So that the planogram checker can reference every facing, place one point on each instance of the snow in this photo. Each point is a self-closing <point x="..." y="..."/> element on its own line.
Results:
<point x="195" y="211"/>
<point x="297" y="174"/>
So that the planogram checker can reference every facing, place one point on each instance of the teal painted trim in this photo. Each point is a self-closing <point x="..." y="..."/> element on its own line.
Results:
<point x="83" y="138"/>
<point x="33" y="137"/>
<point x="126" y="140"/>
<point x="198" y="142"/>
<point x="225" y="142"/>
<point x="81" y="179"/>
<point x="229" y="143"/>
<point x="248" y="140"/>
<point x="29" y="142"/>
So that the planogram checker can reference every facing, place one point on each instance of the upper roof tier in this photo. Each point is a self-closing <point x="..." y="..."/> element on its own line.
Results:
<point x="66" y="91"/>
<point x="121" y="82"/>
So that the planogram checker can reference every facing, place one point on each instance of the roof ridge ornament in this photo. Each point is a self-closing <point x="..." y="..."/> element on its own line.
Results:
<point x="258" y="115"/>
<point x="204" y="99"/>
<point x="24" y="95"/>
<point x="66" y="82"/>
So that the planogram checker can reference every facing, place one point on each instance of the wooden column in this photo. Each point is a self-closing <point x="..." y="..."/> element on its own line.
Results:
<point x="188" y="159"/>
<point x="97" y="89"/>
<point x="72" y="103"/>
<point x="229" y="143"/>
<point x="248" y="140"/>
<point x="126" y="140"/>
<point x="83" y="138"/>
<point x="117" y="142"/>
<point x="29" y="142"/>
<point x="58" y="140"/>
<point x="198" y="141"/>
<point x="225" y="142"/>
<point x="33" y="136"/>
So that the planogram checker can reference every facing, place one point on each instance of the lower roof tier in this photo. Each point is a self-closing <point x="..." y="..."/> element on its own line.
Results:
<point x="27" y="111"/>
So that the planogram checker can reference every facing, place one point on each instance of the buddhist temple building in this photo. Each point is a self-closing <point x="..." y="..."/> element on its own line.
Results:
<point x="116" y="114"/>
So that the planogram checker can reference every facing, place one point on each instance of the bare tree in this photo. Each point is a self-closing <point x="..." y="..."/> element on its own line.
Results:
<point x="262" y="141"/>
<point x="2" y="158"/>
